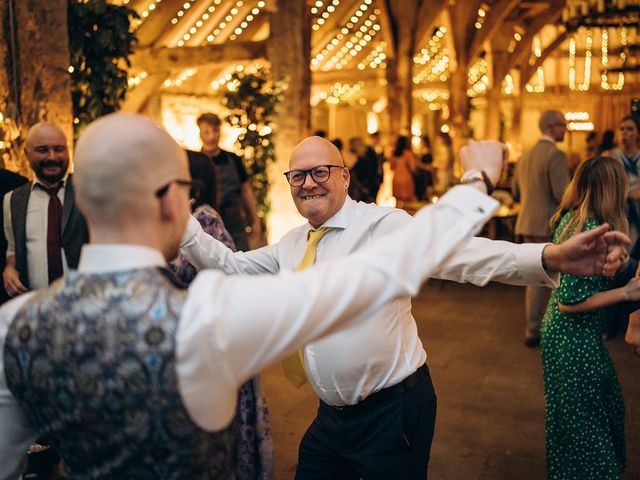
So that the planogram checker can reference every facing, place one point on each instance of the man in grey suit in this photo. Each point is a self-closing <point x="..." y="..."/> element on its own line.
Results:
<point x="541" y="177"/>
<point x="44" y="229"/>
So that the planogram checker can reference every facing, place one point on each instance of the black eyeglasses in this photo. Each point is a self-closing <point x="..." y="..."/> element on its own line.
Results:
<point x="193" y="184"/>
<point x="319" y="174"/>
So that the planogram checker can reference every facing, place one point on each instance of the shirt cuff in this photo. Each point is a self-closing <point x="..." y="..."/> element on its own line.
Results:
<point x="190" y="232"/>
<point x="470" y="202"/>
<point x="529" y="261"/>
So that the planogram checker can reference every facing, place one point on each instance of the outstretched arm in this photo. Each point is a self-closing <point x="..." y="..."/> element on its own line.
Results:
<point x="595" y="252"/>
<point x="630" y="292"/>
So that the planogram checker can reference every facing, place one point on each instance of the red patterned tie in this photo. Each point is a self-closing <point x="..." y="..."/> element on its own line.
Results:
<point x="54" y="233"/>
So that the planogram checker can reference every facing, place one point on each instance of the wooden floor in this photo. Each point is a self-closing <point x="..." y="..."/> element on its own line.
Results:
<point x="490" y="422"/>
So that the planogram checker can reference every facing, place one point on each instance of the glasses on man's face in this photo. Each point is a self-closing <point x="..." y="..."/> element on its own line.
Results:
<point x="319" y="174"/>
<point x="192" y="184"/>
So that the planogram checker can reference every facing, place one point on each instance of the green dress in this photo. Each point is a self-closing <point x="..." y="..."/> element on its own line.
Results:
<point x="584" y="407"/>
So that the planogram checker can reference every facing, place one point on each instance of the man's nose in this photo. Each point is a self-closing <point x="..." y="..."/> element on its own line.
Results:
<point x="309" y="182"/>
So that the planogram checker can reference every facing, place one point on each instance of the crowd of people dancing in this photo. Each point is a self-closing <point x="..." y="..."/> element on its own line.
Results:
<point x="140" y="319"/>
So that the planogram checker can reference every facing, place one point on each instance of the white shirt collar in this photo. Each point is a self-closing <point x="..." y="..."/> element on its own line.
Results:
<point x="341" y="218"/>
<point x="548" y="138"/>
<point x="104" y="258"/>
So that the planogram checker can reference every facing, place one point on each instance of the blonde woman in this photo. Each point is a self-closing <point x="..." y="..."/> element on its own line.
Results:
<point x="584" y="406"/>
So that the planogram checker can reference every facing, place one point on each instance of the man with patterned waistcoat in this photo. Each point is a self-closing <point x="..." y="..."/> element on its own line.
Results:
<point x="129" y="375"/>
<point x="39" y="251"/>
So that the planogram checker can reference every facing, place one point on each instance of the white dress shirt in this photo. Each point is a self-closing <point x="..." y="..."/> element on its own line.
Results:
<point x="349" y="365"/>
<point x="36" y="233"/>
<point x="231" y="327"/>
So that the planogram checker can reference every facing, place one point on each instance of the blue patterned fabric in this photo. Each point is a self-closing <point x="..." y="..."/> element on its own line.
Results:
<point x="92" y="361"/>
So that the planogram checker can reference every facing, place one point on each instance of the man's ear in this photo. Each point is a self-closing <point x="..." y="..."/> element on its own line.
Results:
<point x="346" y="176"/>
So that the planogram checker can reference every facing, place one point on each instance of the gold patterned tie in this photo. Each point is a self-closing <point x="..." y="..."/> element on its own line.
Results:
<point x="293" y="364"/>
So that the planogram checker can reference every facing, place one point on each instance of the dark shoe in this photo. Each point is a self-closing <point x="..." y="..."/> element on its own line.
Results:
<point x="532" y="342"/>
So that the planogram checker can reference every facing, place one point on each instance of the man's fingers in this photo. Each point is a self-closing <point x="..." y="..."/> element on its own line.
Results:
<point x="597" y="232"/>
<point x="617" y="238"/>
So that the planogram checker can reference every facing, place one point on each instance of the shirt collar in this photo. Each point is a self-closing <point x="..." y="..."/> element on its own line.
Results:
<point x="104" y="258"/>
<point x="340" y="218"/>
<point x="37" y="181"/>
<point x="548" y="138"/>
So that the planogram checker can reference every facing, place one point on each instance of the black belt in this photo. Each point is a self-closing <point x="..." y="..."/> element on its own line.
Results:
<point x="381" y="396"/>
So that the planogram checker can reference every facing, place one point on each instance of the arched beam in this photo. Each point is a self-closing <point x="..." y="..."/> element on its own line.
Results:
<point x="428" y="13"/>
<point x="527" y="70"/>
<point x="523" y="49"/>
<point x="492" y="25"/>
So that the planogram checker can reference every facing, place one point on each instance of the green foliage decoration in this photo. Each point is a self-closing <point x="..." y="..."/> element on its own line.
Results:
<point x="100" y="42"/>
<point x="252" y="97"/>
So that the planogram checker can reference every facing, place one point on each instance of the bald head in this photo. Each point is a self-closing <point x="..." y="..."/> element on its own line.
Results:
<point x="47" y="152"/>
<point x="552" y="124"/>
<point x="121" y="161"/>
<point x="315" y="148"/>
<point x="44" y="129"/>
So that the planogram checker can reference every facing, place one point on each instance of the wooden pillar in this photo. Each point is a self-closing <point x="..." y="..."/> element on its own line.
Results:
<point x="399" y="75"/>
<point x="289" y="51"/>
<point x="459" y="108"/>
<point x="43" y="62"/>
<point x="36" y="85"/>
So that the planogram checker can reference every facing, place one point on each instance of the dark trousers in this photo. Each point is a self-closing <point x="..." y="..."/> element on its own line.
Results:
<point x="389" y="441"/>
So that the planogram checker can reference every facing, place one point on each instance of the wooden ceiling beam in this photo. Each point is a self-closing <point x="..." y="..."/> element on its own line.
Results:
<point x="165" y="59"/>
<point x="235" y="22"/>
<point x="429" y="11"/>
<point x="154" y="27"/>
<point x="173" y="34"/>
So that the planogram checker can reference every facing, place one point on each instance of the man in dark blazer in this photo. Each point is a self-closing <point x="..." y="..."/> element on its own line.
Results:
<point x="541" y="177"/>
<point x="43" y="227"/>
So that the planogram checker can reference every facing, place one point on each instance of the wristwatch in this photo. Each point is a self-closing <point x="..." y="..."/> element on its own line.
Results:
<point x="476" y="175"/>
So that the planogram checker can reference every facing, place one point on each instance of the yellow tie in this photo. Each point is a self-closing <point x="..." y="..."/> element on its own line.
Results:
<point x="293" y="365"/>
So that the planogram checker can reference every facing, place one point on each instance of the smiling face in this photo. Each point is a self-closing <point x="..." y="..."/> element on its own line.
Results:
<point x="46" y="149"/>
<point x="318" y="202"/>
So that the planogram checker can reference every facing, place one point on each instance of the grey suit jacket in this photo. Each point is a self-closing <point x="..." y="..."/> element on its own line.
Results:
<point x="541" y="177"/>
<point x="74" y="228"/>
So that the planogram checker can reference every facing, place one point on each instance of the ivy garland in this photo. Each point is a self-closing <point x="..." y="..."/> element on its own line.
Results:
<point x="100" y="43"/>
<point x="252" y="97"/>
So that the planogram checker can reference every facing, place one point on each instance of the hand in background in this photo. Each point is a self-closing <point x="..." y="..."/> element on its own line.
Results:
<point x="632" y="336"/>
<point x="12" y="283"/>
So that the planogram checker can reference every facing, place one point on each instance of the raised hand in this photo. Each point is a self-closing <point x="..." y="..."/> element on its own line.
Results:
<point x="487" y="155"/>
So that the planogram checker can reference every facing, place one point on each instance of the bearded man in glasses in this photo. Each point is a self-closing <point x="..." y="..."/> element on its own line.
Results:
<point x="377" y="404"/>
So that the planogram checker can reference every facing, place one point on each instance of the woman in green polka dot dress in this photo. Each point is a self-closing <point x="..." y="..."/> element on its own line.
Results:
<point x="584" y="406"/>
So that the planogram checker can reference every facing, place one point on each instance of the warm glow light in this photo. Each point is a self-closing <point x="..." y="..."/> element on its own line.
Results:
<point x="372" y="122"/>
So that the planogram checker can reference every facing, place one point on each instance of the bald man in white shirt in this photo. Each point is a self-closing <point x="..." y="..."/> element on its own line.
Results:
<point x="377" y="403"/>
<point x="131" y="377"/>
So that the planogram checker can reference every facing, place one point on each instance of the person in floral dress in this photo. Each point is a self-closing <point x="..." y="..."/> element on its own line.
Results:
<point x="255" y="441"/>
